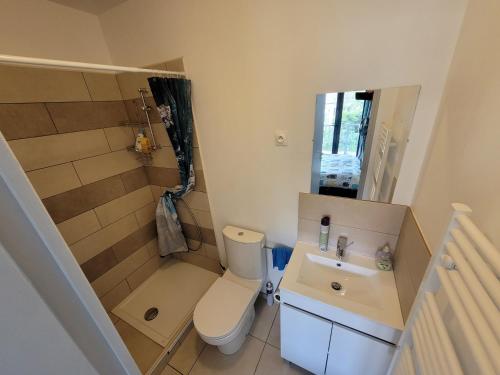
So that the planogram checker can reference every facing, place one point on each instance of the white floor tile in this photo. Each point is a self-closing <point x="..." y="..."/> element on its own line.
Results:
<point x="243" y="362"/>
<point x="187" y="353"/>
<point x="264" y="317"/>
<point x="274" y="335"/>
<point x="271" y="363"/>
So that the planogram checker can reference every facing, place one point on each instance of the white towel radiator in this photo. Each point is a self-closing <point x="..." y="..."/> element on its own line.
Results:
<point x="380" y="162"/>
<point x="454" y="324"/>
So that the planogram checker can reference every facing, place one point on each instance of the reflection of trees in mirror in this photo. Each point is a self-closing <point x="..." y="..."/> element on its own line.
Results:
<point x="351" y="119"/>
<point x="349" y="129"/>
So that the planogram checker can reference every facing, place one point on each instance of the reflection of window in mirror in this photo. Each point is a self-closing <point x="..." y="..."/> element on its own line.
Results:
<point x="359" y="141"/>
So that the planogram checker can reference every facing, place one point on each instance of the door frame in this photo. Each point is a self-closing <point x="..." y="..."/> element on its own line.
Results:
<point x="33" y="241"/>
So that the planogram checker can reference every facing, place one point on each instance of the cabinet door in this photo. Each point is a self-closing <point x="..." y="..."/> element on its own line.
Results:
<point x="353" y="353"/>
<point x="304" y="338"/>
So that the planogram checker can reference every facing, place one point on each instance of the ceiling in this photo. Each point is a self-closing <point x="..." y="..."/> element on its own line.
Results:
<point x="90" y="6"/>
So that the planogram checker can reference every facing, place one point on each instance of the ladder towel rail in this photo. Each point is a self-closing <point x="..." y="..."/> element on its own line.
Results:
<point x="484" y="246"/>
<point x="482" y="298"/>
<point x="481" y="269"/>
<point x="460" y="291"/>
<point x="444" y="338"/>
<point x="470" y="333"/>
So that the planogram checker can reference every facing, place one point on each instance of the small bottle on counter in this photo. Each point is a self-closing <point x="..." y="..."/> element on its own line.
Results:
<point x="269" y="293"/>
<point x="383" y="258"/>
<point x="324" y="232"/>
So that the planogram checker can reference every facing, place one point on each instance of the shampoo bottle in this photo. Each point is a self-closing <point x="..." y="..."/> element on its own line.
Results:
<point x="324" y="231"/>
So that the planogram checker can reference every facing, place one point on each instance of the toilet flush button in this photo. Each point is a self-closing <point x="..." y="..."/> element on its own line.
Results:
<point x="281" y="138"/>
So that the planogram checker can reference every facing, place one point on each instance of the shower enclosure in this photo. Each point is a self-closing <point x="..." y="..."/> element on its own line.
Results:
<point x="71" y="131"/>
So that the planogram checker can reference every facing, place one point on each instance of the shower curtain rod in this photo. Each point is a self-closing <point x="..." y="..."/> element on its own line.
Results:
<point x="63" y="64"/>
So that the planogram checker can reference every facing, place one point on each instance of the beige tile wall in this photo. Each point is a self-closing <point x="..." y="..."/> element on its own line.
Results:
<point x="64" y="128"/>
<point x="369" y="224"/>
<point x="164" y="173"/>
<point x="411" y="258"/>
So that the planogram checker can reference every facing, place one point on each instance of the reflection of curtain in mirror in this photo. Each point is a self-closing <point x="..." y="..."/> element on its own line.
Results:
<point x="365" y="122"/>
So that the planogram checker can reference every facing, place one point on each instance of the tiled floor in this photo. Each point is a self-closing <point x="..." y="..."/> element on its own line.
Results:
<point x="260" y="353"/>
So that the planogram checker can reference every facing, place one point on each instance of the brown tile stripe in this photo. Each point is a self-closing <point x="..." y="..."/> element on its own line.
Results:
<point x="71" y="203"/>
<point x="28" y="120"/>
<point x="25" y="121"/>
<point x="191" y="232"/>
<point x="163" y="176"/>
<point x="169" y="177"/>
<point x="136" y="114"/>
<point x="109" y="258"/>
<point x="78" y="116"/>
<point x="122" y="249"/>
<point x="66" y="205"/>
<point x="99" y="265"/>
<point x="134" y="179"/>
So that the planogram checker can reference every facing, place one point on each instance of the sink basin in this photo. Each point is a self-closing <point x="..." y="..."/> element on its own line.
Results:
<point x="357" y="283"/>
<point x="366" y="299"/>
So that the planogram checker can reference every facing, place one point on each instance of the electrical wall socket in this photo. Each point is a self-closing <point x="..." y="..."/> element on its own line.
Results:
<point x="281" y="137"/>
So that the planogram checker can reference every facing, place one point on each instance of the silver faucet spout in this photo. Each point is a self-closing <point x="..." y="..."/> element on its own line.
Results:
<point x="341" y="246"/>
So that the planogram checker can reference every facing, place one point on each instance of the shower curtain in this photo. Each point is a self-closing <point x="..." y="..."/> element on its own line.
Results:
<point x="173" y="101"/>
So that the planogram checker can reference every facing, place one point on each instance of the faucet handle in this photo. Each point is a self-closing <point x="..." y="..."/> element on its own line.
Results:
<point x="342" y="242"/>
<point x="342" y="245"/>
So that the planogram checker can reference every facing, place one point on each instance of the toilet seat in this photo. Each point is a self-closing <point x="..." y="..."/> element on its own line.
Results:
<point x="221" y="311"/>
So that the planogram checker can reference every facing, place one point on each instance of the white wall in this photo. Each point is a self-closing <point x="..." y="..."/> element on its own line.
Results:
<point x="257" y="66"/>
<point x="40" y="28"/>
<point x="31" y="331"/>
<point x="463" y="165"/>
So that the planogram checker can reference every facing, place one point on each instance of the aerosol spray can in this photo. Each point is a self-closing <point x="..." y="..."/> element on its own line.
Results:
<point x="269" y="293"/>
<point x="324" y="231"/>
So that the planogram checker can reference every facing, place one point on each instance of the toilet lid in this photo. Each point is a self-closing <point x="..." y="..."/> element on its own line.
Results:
<point x="222" y="307"/>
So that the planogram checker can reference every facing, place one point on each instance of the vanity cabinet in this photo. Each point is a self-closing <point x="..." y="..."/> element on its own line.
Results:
<point x="354" y="353"/>
<point x="305" y="338"/>
<point x="325" y="347"/>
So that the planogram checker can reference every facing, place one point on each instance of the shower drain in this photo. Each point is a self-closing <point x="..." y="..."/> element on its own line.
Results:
<point x="151" y="313"/>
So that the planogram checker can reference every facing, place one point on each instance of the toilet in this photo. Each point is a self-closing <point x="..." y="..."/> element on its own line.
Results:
<point x="224" y="315"/>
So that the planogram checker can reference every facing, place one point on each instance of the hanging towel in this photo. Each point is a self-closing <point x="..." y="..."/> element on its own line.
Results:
<point x="170" y="237"/>
<point x="281" y="256"/>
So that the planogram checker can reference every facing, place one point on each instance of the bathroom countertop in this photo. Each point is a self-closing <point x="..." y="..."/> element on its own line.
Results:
<point x="369" y="302"/>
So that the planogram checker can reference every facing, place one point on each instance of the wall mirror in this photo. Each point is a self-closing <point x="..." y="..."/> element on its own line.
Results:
<point x="359" y="141"/>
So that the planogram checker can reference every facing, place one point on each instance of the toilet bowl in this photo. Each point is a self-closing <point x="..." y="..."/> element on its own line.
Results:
<point x="224" y="315"/>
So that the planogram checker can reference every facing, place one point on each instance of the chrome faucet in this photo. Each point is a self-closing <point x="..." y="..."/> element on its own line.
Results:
<point x="341" y="246"/>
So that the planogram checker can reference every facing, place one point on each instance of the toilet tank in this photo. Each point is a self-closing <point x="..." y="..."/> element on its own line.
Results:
<point x="245" y="252"/>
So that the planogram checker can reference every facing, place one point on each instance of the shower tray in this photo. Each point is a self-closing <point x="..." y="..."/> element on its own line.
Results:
<point x="163" y="305"/>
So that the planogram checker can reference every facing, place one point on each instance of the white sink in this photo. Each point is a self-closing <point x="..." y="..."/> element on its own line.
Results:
<point x="357" y="283"/>
<point x="367" y="300"/>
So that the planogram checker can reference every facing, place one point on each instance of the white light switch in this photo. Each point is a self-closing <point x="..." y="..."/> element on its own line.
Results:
<point x="281" y="138"/>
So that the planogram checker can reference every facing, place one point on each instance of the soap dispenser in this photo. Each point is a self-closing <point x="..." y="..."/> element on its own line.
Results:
<point x="383" y="258"/>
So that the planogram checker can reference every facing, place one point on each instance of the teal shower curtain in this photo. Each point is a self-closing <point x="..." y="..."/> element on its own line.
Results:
<point x="173" y="101"/>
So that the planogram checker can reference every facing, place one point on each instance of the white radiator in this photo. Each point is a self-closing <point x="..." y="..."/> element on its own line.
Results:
<point x="454" y="324"/>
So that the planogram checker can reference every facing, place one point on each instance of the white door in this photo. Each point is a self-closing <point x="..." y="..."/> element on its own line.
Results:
<point x="304" y="338"/>
<point x="353" y="353"/>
